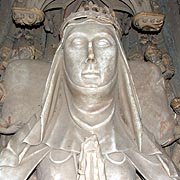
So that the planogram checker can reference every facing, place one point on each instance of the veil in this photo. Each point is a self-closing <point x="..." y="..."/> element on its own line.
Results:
<point x="130" y="106"/>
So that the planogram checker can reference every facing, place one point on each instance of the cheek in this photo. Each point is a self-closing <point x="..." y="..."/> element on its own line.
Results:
<point x="67" y="60"/>
<point x="72" y="61"/>
<point x="109" y="69"/>
<point x="108" y="61"/>
<point x="75" y="55"/>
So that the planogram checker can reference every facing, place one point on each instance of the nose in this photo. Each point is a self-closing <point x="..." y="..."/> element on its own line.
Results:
<point x="91" y="57"/>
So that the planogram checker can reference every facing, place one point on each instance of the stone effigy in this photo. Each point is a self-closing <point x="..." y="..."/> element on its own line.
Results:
<point x="89" y="121"/>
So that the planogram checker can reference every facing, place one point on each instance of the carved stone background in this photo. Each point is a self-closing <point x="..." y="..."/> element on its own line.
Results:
<point x="5" y="13"/>
<point x="39" y="38"/>
<point x="170" y="30"/>
<point x="172" y="36"/>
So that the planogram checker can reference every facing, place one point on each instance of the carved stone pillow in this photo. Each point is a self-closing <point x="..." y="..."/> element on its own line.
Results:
<point x="24" y="82"/>
<point x="156" y="112"/>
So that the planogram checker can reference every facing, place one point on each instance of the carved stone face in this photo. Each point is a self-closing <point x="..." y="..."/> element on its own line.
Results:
<point x="90" y="54"/>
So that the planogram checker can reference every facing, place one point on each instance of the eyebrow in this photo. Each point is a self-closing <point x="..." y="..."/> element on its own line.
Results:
<point x="76" y="34"/>
<point x="106" y="34"/>
<point x="80" y="34"/>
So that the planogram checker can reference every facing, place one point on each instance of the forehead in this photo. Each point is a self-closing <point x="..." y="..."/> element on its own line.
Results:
<point x="90" y="29"/>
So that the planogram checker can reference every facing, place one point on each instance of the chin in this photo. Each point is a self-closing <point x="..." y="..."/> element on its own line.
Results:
<point x="91" y="86"/>
<point x="90" y="83"/>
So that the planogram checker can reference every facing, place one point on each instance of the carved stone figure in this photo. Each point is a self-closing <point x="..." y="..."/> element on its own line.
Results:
<point x="162" y="60"/>
<point x="89" y="123"/>
<point x="175" y="104"/>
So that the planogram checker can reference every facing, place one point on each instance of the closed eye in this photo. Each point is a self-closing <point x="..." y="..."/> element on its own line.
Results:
<point x="102" y="43"/>
<point x="78" y="42"/>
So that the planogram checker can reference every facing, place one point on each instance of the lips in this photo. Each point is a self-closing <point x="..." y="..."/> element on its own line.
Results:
<point x="90" y="75"/>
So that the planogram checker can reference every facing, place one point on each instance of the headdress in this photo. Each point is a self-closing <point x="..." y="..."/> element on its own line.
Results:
<point x="94" y="12"/>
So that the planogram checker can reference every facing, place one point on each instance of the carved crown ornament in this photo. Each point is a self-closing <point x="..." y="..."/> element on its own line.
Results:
<point x="92" y="11"/>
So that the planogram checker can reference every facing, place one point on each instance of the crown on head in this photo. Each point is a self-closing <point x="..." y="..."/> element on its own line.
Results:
<point x="92" y="11"/>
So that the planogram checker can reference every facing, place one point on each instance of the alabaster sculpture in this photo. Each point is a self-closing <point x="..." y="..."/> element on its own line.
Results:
<point x="89" y="125"/>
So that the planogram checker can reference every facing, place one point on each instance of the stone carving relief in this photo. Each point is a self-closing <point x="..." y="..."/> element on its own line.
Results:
<point x="94" y="103"/>
<point x="175" y="104"/>
<point x="25" y="16"/>
<point x="162" y="60"/>
<point x="148" y="21"/>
